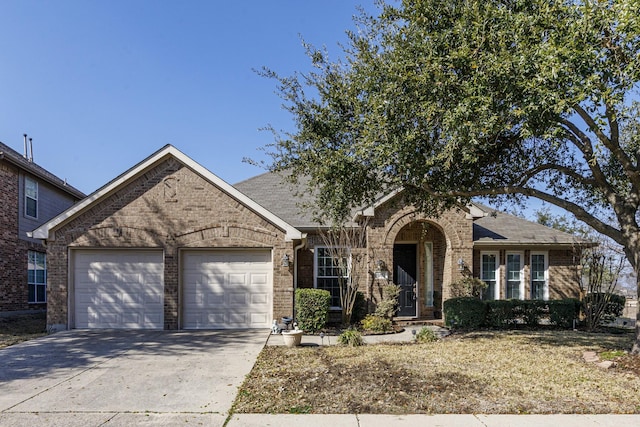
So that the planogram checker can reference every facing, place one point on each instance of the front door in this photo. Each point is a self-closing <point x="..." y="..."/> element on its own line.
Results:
<point x="404" y="275"/>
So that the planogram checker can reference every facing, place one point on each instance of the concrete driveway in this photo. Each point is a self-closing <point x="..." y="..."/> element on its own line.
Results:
<point x="118" y="378"/>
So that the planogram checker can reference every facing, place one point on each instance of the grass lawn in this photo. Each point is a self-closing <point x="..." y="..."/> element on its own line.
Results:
<point x="21" y="327"/>
<point x="492" y="372"/>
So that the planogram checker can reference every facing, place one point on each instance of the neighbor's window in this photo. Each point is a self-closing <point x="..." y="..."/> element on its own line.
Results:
<point x="515" y="288"/>
<point x="330" y="270"/>
<point x="539" y="283"/>
<point x="30" y="197"/>
<point x="37" y="277"/>
<point x="489" y="268"/>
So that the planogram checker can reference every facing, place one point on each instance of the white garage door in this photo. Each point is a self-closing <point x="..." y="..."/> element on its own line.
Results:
<point x="118" y="289"/>
<point x="227" y="289"/>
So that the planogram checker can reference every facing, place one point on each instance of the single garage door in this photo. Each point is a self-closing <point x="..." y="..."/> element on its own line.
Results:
<point x="227" y="289"/>
<point x="118" y="289"/>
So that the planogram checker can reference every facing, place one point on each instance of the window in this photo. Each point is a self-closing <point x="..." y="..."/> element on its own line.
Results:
<point x="30" y="198"/>
<point x="330" y="271"/>
<point x="515" y="284"/>
<point x="37" y="277"/>
<point x="489" y="268"/>
<point x="428" y="273"/>
<point x="539" y="283"/>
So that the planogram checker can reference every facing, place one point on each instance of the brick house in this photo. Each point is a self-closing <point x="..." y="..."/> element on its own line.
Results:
<point x="169" y="245"/>
<point x="30" y="197"/>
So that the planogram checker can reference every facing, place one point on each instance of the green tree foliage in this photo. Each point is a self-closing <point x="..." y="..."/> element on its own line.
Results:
<point x="453" y="99"/>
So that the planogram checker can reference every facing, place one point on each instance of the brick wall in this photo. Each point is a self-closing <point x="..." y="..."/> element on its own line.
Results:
<point x="172" y="208"/>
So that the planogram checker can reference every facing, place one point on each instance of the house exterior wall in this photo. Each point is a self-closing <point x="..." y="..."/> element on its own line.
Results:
<point x="14" y="243"/>
<point x="169" y="207"/>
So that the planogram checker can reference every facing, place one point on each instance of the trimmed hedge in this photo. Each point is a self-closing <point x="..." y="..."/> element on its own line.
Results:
<point x="464" y="312"/>
<point x="312" y="309"/>
<point x="472" y="313"/>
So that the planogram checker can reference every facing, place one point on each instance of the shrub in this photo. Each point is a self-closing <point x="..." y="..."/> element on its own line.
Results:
<point x="426" y="335"/>
<point x="604" y="307"/>
<point x="563" y="312"/>
<point x="468" y="287"/>
<point x="377" y="324"/>
<point x="388" y="305"/>
<point x="532" y="311"/>
<point x="464" y="312"/>
<point x="501" y="313"/>
<point x="312" y="309"/>
<point x="351" y="338"/>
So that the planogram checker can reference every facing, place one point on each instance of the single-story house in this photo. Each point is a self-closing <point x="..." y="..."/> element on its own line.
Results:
<point x="169" y="245"/>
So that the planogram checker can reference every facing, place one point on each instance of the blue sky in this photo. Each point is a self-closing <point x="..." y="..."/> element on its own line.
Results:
<point x="100" y="85"/>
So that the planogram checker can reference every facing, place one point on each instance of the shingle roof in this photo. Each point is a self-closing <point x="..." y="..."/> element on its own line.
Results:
<point x="20" y="161"/>
<point x="271" y="191"/>
<point x="499" y="228"/>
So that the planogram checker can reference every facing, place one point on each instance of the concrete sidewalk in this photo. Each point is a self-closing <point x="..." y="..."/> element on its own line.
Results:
<point x="366" y="420"/>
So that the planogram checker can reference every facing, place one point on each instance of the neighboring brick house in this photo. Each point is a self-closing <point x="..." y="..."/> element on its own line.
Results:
<point x="30" y="197"/>
<point x="169" y="245"/>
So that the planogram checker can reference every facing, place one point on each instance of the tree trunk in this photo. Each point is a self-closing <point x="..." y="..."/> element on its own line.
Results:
<point x="636" y="345"/>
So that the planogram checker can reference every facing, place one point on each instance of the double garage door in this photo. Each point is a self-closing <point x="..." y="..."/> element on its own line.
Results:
<point x="124" y="289"/>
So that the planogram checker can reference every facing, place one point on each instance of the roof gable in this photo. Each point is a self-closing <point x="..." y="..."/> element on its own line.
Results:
<point x="168" y="151"/>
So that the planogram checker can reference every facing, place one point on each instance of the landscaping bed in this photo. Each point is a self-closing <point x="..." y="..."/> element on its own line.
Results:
<point x="17" y="328"/>
<point x="490" y="372"/>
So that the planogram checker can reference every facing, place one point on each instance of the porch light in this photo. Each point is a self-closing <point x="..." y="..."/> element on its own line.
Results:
<point x="285" y="261"/>
<point x="381" y="271"/>
<point x="461" y="264"/>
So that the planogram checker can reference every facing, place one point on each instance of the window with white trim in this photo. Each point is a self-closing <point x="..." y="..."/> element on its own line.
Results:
<point x="539" y="276"/>
<point x="37" y="277"/>
<point x="330" y="270"/>
<point x="30" y="197"/>
<point x="489" y="273"/>
<point x="515" y="276"/>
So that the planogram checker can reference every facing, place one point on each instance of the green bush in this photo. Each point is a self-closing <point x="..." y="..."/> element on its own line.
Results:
<point x="468" y="287"/>
<point x="426" y="335"/>
<point x="377" y="324"/>
<point x="312" y="309"/>
<point x="531" y="311"/>
<point x="351" y="338"/>
<point x="501" y="313"/>
<point x="563" y="312"/>
<point x="464" y="312"/>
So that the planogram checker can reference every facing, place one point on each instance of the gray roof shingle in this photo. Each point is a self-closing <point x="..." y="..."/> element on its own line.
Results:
<point x="271" y="191"/>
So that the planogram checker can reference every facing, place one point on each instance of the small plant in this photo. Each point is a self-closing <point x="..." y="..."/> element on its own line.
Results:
<point x="425" y="335"/>
<point x="351" y="338"/>
<point x="376" y="324"/>
<point x="468" y="287"/>
<point x="304" y="409"/>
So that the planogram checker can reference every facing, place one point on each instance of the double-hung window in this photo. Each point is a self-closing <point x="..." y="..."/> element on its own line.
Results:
<point x="332" y="270"/>
<point x="37" y="277"/>
<point x="489" y="273"/>
<point x="539" y="282"/>
<point x="30" y="197"/>
<point x="515" y="276"/>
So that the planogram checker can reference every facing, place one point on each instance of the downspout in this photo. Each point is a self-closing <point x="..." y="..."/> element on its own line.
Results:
<point x="302" y="244"/>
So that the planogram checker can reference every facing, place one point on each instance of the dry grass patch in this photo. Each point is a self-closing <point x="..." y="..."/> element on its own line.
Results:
<point x="481" y="372"/>
<point x="21" y="327"/>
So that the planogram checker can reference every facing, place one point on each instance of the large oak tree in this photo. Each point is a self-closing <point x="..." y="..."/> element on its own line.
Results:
<point x="455" y="99"/>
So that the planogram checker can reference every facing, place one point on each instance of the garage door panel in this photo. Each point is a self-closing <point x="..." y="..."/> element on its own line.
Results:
<point x="235" y="286"/>
<point x="119" y="289"/>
